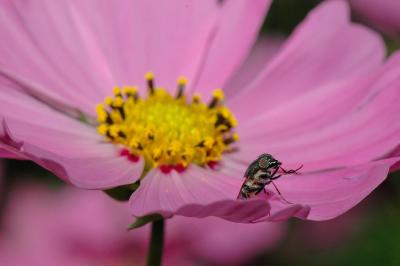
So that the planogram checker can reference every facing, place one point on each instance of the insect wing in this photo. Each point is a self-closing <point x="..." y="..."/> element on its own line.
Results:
<point x="249" y="188"/>
<point x="241" y="194"/>
<point x="250" y="171"/>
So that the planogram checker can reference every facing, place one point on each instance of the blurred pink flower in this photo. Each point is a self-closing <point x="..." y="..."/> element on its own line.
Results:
<point x="382" y="14"/>
<point x="325" y="100"/>
<point x="76" y="227"/>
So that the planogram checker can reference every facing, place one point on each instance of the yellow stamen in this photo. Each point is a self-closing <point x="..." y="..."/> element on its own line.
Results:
<point x="118" y="101"/>
<point x="235" y="136"/>
<point x="130" y="90"/>
<point x="150" y="82"/>
<point x="182" y="81"/>
<point x="196" y="98"/>
<point x="102" y="129"/>
<point x="218" y="94"/>
<point x="149" y="76"/>
<point x="117" y="91"/>
<point x="108" y="101"/>
<point x="167" y="130"/>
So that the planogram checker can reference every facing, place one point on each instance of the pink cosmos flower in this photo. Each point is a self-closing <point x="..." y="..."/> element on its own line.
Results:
<point x="381" y="14"/>
<point x="75" y="227"/>
<point x="326" y="101"/>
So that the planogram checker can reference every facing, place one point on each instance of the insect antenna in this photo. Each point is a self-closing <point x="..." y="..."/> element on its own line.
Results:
<point x="292" y="171"/>
<point x="280" y="194"/>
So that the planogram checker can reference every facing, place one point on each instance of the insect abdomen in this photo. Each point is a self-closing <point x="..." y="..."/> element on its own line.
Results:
<point x="249" y="187"/>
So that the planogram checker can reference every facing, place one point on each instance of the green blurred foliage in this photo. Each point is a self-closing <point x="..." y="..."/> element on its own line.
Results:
<point x="392" y="45"/>
<point x="284" y="15"/>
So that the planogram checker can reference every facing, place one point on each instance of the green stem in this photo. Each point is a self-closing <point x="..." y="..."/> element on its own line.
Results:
<point x="156" y="243"/>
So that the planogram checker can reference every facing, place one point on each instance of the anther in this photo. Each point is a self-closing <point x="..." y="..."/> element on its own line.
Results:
<point x="200" y="144"/>
<point x="182" y="81"/>
<point x="131" y="92"/>
<point x="208" y="143"/>
<point x="117" y="92"/>
<point x="121" y="134"/>
<point x="114" y="131"/>
<point x="102" y="129"/>
<point x="230" y="140"/>
<point x="102" y="115"/>
<point x="221" y="120"/>
<point x="157" y="154"/>
<point x="139" y="146"/>
<point x="218" y="96"/>
<point x="118" y="102"/>
<point x="108" y="101"/>
<point x="150" y="82"/>
<point x="150" y="135"/>
<point x="196" y="98"/>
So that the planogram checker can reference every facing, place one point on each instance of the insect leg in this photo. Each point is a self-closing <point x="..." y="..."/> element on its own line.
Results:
<point x="276" y="188"/>
<point x="291" y="171"/>
<point x="261" y="189"/>
<point x="275" y="177"/>
<point x="275" y="171"/>
<point x="280" y="194"/>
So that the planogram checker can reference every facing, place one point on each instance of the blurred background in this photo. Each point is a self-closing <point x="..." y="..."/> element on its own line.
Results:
<point x="45" y="222"/>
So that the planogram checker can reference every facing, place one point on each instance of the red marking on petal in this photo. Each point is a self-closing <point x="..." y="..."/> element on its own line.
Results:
<point x="179" y="168"/>
<point x="124" y="152"/>
<point x="212" y="164"/>
<point x="166" y="169"/>
<point x="133" y="158"/>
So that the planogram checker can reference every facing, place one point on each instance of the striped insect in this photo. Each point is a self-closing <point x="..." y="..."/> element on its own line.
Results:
<point x="260" y="173"/>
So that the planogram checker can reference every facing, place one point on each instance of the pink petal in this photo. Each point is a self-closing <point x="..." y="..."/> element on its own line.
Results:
<point x="7" y="154"/>
<point x="196" y="192"/>
<point x="71" y="149"/>
<point x="262" y="52"/>
<point x="49" y="52"/>
<point x="232" y="210"/>
<point x="328" y="194"/>
<point x="326" y="47"/>
<point x="238" y="28"/>
<point x="323" y="129"/>
<point x="76" y="51"/>
<point x="166" y="37"/>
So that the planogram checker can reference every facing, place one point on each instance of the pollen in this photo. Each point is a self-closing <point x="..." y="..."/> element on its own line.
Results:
<point x="168" y="131"/>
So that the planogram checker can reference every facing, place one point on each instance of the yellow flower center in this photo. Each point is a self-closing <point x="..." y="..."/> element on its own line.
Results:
<point x="167" y="131"/>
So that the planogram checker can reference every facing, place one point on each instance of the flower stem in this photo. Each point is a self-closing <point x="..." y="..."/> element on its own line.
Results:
<point x="156" y="243"/>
